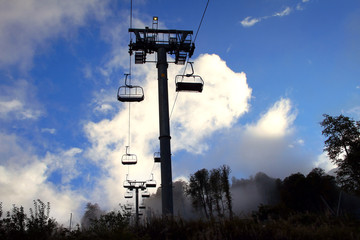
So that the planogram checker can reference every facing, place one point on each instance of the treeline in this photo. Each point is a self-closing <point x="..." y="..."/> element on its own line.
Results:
<point x="209" y="194"/>
<point x="284" y="209"/>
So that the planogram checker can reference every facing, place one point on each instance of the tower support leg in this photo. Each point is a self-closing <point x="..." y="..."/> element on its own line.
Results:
<point x="165" y="150"/>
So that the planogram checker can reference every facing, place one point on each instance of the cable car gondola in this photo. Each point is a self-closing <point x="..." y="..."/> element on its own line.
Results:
<point x="189" y="82"/>
<point x="128" y="158"/>
<point x="130" y="93"/>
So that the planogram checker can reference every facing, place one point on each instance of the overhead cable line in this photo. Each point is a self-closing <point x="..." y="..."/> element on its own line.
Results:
<point x="197" y="32"/>
<point x="202" y="18"/>
<point x="130" y="36"/>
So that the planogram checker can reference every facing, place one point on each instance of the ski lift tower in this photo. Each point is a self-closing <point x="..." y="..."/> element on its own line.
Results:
<point x="163" y="42"/>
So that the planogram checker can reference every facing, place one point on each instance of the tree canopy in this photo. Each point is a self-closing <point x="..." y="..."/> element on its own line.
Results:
<point x="343" y="148"/>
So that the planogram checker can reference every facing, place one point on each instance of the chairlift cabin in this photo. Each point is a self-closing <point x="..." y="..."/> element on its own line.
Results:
<point x="157" y="157"/>
<point x="128" y="158"/>
<point x="128" y="195"/>
<point x="142" y="206"/>
<point x="130" y="93"/>
<point x="128" y="185"/>
<point x="145" y="194"/>
<point x="151" y="183"/>
<point x="128" y="207"/>
<point x="189" y="82"/>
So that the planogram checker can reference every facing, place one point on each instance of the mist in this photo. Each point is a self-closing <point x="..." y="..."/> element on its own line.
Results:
<point x="247" y="195"/>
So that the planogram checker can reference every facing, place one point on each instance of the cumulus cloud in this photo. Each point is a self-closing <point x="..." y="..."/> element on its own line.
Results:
<point x="268" y="145"/>
<point x="196" y="117"/>
<point x="23" y="178"/>
<point x="225" y="98"/>
<point x="27" y="26"/>
<point x="276" y="122"/>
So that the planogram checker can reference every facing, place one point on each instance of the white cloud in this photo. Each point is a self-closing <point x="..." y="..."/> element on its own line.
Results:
<point x="48" y="130"/>
<point x="18" y="101"/>
<point x="276" y="122"/>
<point x="64" y="161"/>
<point x="104" y="108"/>
<point x="264" y="145"/>
<point x="249" y="21"/>
<point x="324" y="162"/>
<point x="27" y="26"/>
<point x="285" y="12"/>
<point x="354" y="111"/>
<point x="23" y="178"/>
<point x="9" y="106"/>
<point x="224" y="99"/>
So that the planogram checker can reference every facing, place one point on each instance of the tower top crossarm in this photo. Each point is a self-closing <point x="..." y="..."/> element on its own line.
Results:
<point x="174" y="41"/>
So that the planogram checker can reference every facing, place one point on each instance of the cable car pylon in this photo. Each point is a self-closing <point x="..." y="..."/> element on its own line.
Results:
<point x="178" y="43"/>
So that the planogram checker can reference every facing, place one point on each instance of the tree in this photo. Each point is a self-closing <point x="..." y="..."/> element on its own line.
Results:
<point x="216" y="190"/>
<point x="343" y="148"/>
<point x="225" y="171"/>
<point x="92" y="213"/>
<point x="39" y="224"/>
<point x="210" y="191"/>
<point x="199" y="191"/>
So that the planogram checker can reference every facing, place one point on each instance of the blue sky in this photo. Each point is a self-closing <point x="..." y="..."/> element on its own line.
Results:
<point x="271" y="69"/>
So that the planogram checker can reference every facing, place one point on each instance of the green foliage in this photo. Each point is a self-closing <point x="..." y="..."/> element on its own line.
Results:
<point x="40" y="225"/>
<point x="17" y="225"/>
<point x="343" y="147"/>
